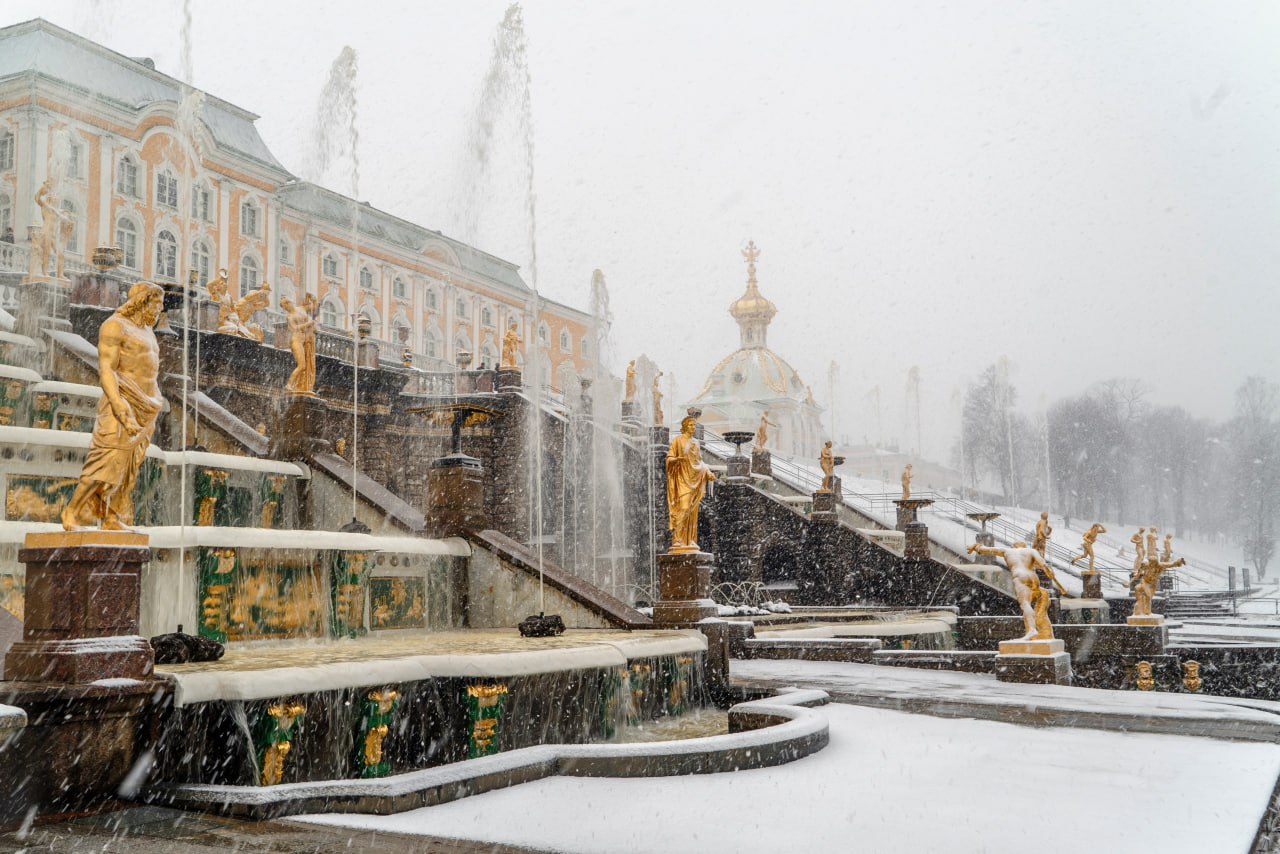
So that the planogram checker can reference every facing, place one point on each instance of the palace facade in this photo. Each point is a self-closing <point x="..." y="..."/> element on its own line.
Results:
<point x="183" y="184"/>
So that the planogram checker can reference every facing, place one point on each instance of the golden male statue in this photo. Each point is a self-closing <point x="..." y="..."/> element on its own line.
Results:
<point x="1086" y="548"/>
<point x="1043" y="530"/>
<point x="1033" y="599"/>
<point x="1144" y="583"/>
<point x="128" y="364"/>
<point x="687" y="479"/>
<point x="510" y="343"/>
<point x="302" y="343"/>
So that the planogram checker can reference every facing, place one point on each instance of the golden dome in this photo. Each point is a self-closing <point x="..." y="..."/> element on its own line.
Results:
<point x="752" y="311"/>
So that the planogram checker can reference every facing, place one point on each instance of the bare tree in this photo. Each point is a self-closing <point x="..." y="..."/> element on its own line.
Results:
<point x="1256" y="443"/>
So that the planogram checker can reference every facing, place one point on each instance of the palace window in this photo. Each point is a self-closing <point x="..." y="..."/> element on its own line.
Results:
<point x="6" y="217"/>
<point x="399" y="289"/>
<point x="566" y="343"/>
<point x="583" y="348"/>
<point x="127" y="177"/>
<point x="71" y="227"/>
<point x="329" y="266"/>
<point x="249" y="274"/>
<point x="366" y="279"/>
<point x="166" y="189"/>
<point x="486" y="316"/>
<point x="329" y="314"/>
<point x="433" y="344"/>
<point x="462" y="309"/>
<point x="431" y="298"/>
<point x="166" y="256"/>
<point x="248" y="219"/>
<point x="544" y="334"/>
<point x="75" y="155"/>
<point x="127" y="240"/>
<point x="201" y="208"/>
<point x="487" y="357"/>
<point x="200" y="255"/>
<point x="286" y="253"/>
<point x="6" y="151"/>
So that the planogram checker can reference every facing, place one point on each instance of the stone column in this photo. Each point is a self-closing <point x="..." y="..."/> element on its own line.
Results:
<point x="83" y="595"/>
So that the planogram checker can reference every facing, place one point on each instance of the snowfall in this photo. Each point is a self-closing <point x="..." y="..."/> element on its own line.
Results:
<point x="896" y="782"/>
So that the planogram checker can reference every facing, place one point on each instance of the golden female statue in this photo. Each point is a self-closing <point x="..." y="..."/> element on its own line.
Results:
<point x="630" y="394"/>
<point x="906" y="482"/>
<point x="302" y="343"/>
<point x="128" y="363"/>
<point x="658" y="416"/>
<point x="510" y="343"/>
<point x="828" y="463"/>
<point x="762" y="431"/>
<point x="687" y="479"/>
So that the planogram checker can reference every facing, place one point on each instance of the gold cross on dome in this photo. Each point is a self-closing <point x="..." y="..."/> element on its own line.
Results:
<point x="751" y="253"/>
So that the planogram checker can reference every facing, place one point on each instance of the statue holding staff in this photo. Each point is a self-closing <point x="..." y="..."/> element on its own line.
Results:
<point x="128" y="364"/>
<point x="1033" y="599"/>
<point x="687" y="479"/>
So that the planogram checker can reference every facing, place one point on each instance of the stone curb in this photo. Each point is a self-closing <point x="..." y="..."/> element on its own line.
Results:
<point x="763" y="733"/>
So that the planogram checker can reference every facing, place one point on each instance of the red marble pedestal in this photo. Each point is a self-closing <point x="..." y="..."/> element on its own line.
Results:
<point x="83" y="594"/>
<point x="684" y="588"/>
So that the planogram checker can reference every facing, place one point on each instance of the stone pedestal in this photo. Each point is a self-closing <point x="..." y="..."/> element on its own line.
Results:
<point x="83" y="594"/>
<point x="762" y="462"/>
<point x="630" y="410"/>
<point x="1145" y="620"/>
<point x="1041" y="662"/>
<point x="739" y="468"/>
<point x="1092" y="585"/>
<point x="660" y="437"/>
<point x="907" y="509"/>
<point x="455" y="496"/>
<point x="509" y="379"/>
<point x="916" y="546"/>
<point x="95" y="289"/>
<point x="824" y="502"/>
<point x="987" y="540"/>
<point x="300" y="427"/>
<point x="684" y="588"/>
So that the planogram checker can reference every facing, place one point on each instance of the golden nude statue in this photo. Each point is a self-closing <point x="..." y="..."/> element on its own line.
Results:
<point x="658" y="416"/>
<point x="234" y="314"/>
<point x="1043" y="530"/>
<point x="629" y="394"/>
<point x="1022" y="563"/>
<point x="1153" y="542"/>
<point x="128" y="364"/>
<point x="762" y="431"/>
<point x="45" y="240"/>
<point x="687" y="479"/>
<point x="302" y="343"/>
<point x="1144" y="583"/>
<point x="1090" y="537"/>
<point x="1139" y="553"/>
<point x="906" y="482"/>
<point x="511" y="342"/>
<point x="828" y="463"/>
<point x="1167" y="554"/>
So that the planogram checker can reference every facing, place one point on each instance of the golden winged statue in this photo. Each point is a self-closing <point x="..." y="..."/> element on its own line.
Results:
<point x="233" y="314"/>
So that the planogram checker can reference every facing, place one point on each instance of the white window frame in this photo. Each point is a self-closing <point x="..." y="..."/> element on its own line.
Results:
<point x="329" y="266"/>
<point x="127" y="165"/>
<point x="202" y="203"/>
<point x="75" y="151"/>
<point x="8" y="150"/>
<point x="201" y="260"/>
<point x="330" y="309"/>
<point x="249" y="264"/>
<point x="166" y="255"/>
<point x="128" y="242"/>
<point x="167" y="189"/>
<point x="248" y="216"/>
<point x="72" y="244"/>
<point x="370" y="286"/>
<point x="566" y="341"/>
<point x="399" y="288"/>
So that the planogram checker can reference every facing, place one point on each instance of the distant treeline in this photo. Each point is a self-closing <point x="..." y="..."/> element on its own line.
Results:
<point x="1112" y="455"/>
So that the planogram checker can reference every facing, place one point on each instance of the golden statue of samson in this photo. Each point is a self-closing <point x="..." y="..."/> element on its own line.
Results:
<point x="128" y="365"/>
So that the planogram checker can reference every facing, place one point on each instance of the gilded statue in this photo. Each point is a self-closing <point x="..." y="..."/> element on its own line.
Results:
<point x="687" y="479"/>
<point x="234" y="314"/>
<point x="1144" y="583"/>
<point x="1022" y="563"/>
<point x="1090" y="537"/>
<point x="302" y="343"/>
<point x="1139" y="554"/>
<point x="1043" y="531"/>
<point x="906" y="482"/>
<point x="658" y="416"/>
<point x="629" y="394"/>
<point x="1153" y="542"/>
<point x="511" y="342"/>
<point x="762" y="431"/>
<point x="1167" y="554"/>
<point x="828" y="463"/>
<point x="46" y="240"/>
<point x="128" y="364"/>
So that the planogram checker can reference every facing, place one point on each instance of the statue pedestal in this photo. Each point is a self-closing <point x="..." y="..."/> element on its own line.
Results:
<point x="300" y="426"/>
<point x="987" y="540"/>
<point x="916" y="541"/>
<point x="509" y="379"/>
<point x="83" y="595"/>
<point x="907" y="508"/>
<point x="739" y="468"/>
<point x="1145" y="620"/>
<point x="660" y="437"/>
<point x="684" y="588"/>
<point x="762" y="462"/>
<point x="1092" y="585"/>
<point x="824" y="502"/>
<point x="1039" y="662"/>
<point x="455" y="496"/>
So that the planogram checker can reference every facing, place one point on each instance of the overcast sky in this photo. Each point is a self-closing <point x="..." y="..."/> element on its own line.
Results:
<point x="1091" y="189"/>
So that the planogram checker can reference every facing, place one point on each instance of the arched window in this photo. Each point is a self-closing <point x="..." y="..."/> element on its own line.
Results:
<point x="127" y="177"/>
<point x="460" y="346"/>
<point x="486" y="316"/>
<point x="400" y="333"/>
<point x="200" y="255"/>
<point x="329" y="314"/>
<point x="248" y="218"/>
<point x="488" y="358"/>
<point x="166" y="255"/>
<point x="127" y="240"/>
<point x="366" y="279"/>
<point x="166" y="189"/>
<point x="249" y="274"/>
<point x="70" y="227"/>
<point x="399" y="289"/>
<point x="566" y="342"/>
<point x="6" y="151"/>
<point x="431" y="299"/>
<point x="329" y="266"/>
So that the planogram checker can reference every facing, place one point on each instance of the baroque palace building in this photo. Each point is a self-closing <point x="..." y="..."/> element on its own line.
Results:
<point x="181" y="181"/>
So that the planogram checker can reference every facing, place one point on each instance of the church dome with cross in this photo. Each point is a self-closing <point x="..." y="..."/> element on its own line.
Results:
<point x="754" y="379"/>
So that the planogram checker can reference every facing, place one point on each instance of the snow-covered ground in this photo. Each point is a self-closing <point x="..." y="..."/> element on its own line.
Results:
<point x="891" y="782"/>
